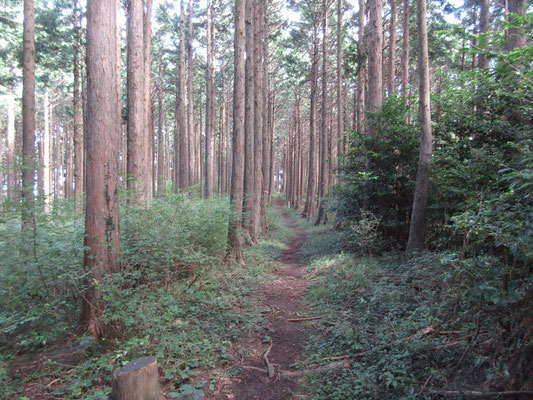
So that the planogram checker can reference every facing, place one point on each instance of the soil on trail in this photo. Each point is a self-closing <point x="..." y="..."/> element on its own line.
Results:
<point x="283" y="296"/>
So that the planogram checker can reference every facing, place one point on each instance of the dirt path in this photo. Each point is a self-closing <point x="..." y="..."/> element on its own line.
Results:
<point x="283" y="295"/>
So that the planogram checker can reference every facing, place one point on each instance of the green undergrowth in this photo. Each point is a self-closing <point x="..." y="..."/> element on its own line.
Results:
<point x="407" y="328"/>
<point x="175" y="299"/>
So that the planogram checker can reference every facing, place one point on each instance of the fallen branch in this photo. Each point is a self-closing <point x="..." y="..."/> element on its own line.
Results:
<point x="473" y="393"/>
<point x="303" y="319"/>
<point x="295" y="374"/>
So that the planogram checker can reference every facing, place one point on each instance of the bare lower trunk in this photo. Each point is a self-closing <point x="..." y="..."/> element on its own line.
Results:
<point x="183" y="162"/>
<point x="515" y="36"/>
<point x="28" y="130"/>
<point x="147" y="92"/>
<point x="405" y="57"/>
<point x="78" y="123"/>
<point x="418" y="216"/>
<point x="483" y="29"/>
<point x="323" y="180"/>
<point x="375" y="72"/>
<point x="210" y="104"/>
<point x="137" y="136"/>
<point x="308" y="210"/>
<point x="193" y="160"/>
<point x="258" y="114"/>
<point x="237" y="174"/>
<point x="392" y="49"/>
<point x="249" y="164"/>
<point x="102" y="234"/>
<point x="161" y="152"/>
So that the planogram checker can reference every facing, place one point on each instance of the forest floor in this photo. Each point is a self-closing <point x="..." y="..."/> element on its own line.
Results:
<point x="282" y="345"/>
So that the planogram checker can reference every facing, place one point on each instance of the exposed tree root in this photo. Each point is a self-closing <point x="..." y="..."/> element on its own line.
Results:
<point x="295" y="374"/>
<point x="270" y="367"/>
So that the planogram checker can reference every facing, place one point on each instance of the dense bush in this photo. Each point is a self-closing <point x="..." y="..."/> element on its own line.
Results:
<point x="169" y="238"/>
<point x="480" y="214"/>
<point x="378" y="175"/>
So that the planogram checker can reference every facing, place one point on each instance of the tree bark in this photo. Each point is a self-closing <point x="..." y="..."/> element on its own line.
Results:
<point x="137" y="164"/>
<point x="237" y="171"/>
<point x="47" y="165"/>
<point x="265" y="134"/>
<point x="375" y="72"/>
<point x="193" y="160"/>
<point x="323" y="180"/>
<point x="405" y="57"/>
<point x="10" y="148"/>
<point x="418" y="216"/>
<point x="258" y="114"/>
<point x="516" y="38"/>
<point x="103" y="134"/>
<point x="137" y="380"/>
<point x="249" y="164"/>
<point x="361" y="78"/>
<point x="308" y="210"/>
<point x="77" y="109"/>
<point x="28" y="129"/>
<point x="161" y="175"/>
<point x="183" y="162"/>
<point x="210" y="103"/>
<point x="340" y="108"/>
<point x="483" y="29"/>
<point x="392" y="49"/>
<point x="147" y="92"/>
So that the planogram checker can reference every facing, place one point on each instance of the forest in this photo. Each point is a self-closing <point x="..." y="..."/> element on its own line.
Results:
<point x="266" y="199"/>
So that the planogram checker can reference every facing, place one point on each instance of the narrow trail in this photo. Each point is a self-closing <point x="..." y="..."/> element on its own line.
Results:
<point x="283" y="296"/>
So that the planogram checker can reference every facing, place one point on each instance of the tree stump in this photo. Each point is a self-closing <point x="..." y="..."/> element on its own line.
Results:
<point x="137" y="380"/>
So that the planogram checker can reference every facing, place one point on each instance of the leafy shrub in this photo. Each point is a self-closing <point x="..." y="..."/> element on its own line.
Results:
<point x="378" y="174"/>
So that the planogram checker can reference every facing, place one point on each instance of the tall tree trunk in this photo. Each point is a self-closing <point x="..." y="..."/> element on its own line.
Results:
<point x="308" y="210"/>
<point x="10" y="150"/>
<point x="340" y="108"/>
<point x="47" y="161"/>
<point x="147" y="92"/>
<point x="271" y="119"/>
<point x="184" y="162"/>
<point x="77" y="109"/>
<point x="418" y="216"/>
<point x="405" y="57"/>
<point x="249" y="164"/>
<point x="69" y="159"/>
<point x="361" y="77"/>
<point x="265" y="167"/>
<point x="483" y="29"/>
<point x="375" y="72"/>
<point x="299" y="180"/>
<point x="160" y="136"/>
<point x="392" y="48"/>
<point x="210" y="103"/>
<point x="193" y="160"/>
<point x="137" y="166"/>
<point x="258" y="113"/>
<point x="102" y="232"/>
<point x="237" y="171"/>
<point x="28" y="130"/>
<point x="515" y="36"/>
<point x="323" y="180"/>
<point x="474" y="38"/>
